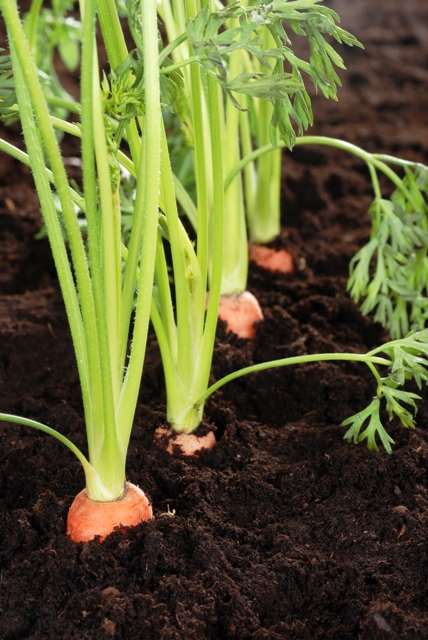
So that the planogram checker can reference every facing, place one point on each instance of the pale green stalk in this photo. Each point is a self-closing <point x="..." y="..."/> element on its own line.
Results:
<point x="235" y="252"/>
<point x="82" y="321"/>
<point x="187" y="373"/>
<point x="176" y="15"/>
<point x="117" y="52"/>
<point x="146" y="207"/>
<point x="32" y="18"/>
<point x="30" y="94"/>
<point x="263" y="211"/>
<point x="189" y="286"/>
<point x="94" y="304"/>
<point x="186" y="340"/>
<point x="214" y="106"/>
<point x="111" y="234"/>
<point x="182" y="340"/>
<point x="92" y="126"/>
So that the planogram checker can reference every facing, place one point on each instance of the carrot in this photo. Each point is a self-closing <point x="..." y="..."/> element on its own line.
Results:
<point x="271" y="259"/>
<point x="240" y="312"/>
<point x="189" y="443"/>
<point x="88" y="519"/>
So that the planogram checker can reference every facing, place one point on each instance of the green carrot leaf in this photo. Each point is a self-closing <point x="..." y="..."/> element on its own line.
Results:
<point x="7" y="90"/>
<point x="396" y="288"/>
<point x="373" y="428"/>
<point x="408" y="361"/>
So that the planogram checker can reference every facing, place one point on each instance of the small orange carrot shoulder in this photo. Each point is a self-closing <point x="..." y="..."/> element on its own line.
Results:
<point x="189" y="443"/>
<point x="88" y="519"/>
<point x="271" y="259"/>
<point x="240" y="312"/>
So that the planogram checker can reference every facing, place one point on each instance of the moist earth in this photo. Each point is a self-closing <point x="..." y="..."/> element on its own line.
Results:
<point x="284" y="530"/>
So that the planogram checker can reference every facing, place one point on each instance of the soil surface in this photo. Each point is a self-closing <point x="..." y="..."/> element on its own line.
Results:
<point x="283" y="530"/>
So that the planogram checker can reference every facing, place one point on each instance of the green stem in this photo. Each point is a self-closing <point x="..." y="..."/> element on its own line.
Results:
<point x="178" y="65"/>
<point x="117" y="51"/>
<point x="215" y="109"/>
<point x="201" y="151"/>
<point x="62" y="103"/>
<point x="94" y="485"/>
<point x="147" y="201"/>
<point x="24" y="158"/>
<point x="111" y="236"/>
<point x="25" y="61"/>
<point x="235" y="250"/>
<point x="187" y="279"/>
<point x="369" y="158"/>
<point x="166" y="309"/>
<point x="32" y="20"/>
<point x="170" y="48"/>
<point x="264" y="221"/>
<point x="74" y="130"/>
<point x="36" y="161"/>
<point x="284" y="362"/>
<point x="94" y="149"/>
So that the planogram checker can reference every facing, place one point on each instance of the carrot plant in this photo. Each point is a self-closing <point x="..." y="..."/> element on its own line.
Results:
<point x="98" y="301"/>
<point x="248" y="50"/>
<point x="106" y="277"/>
<point x="395" y="288"/>
<point x="203" y="53"/>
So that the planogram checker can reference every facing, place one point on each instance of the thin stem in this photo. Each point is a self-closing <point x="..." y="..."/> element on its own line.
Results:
<point x="214" y="104"/>
<point x="147" y="201"/>
<point x="117" y="52"/>
<point x="108" y="173"/>
<point x="74" y="130"/>
<point x="94" y="486"/>
<point x="77" y="249"/>
<point x="166" y="310"/>
<point x="62" y="103"/>
<point x="189" y="323"/>
<point x="284" y="362"/>
<point x="264" y="220"/>
<point x="24" y="158"/>
<point x="93" y="146"/>
<point x="330" y="142"/>
<point x="235" y="250"/>
<point x="58" y="248"/>
<point x="32" y="20"/>
<point x="178" y="65"/>
<point x="170" y="48"/>
<point x="201" y="151"/>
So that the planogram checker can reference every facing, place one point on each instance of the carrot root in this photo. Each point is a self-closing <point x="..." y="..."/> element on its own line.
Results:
<point x="88" y="519"/>
<point x="240" y="312"/>
<point x="190" y="444"/>
<point x="271" y="259"/>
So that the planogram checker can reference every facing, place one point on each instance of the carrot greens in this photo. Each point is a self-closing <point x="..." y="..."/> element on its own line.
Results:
<point x="91" y="280"/>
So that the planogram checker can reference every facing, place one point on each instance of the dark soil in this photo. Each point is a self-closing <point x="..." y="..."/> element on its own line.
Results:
<point x="284" y="530"/>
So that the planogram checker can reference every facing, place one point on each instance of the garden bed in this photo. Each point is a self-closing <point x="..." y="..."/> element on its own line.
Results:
<point x="283" y="530"/>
